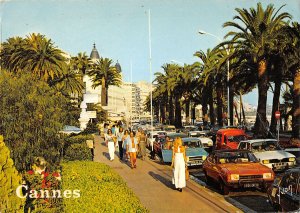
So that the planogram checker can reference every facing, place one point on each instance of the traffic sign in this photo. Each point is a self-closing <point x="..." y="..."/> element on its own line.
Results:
<point x="277" y="115"/>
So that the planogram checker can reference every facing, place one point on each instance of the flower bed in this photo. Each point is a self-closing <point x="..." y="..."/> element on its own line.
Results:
<point x="101" y="189"/>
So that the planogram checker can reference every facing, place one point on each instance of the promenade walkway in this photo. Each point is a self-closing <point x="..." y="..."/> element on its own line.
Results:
<point x="151" y="182"/>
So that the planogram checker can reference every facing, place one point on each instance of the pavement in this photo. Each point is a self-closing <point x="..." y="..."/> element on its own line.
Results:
<point x="151" y="182"/>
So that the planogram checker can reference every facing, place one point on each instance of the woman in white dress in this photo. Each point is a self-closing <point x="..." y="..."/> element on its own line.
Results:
<point x="110" y="140"/>
<point x="178" y="164"/>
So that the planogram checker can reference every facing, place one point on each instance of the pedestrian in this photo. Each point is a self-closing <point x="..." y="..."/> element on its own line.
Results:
<point x="110" y="140"/>
<point x="142" y="144"/>
<point x="105" y="128"/>
<point x="178" y="164"/>
<point x="113" y="128"/>
<point x="125" y="139"/>
<point x="132" y="143"/>
<point x="137" y="135"/>
<point x="120" y="135"/>
<point x="152" y="152"/>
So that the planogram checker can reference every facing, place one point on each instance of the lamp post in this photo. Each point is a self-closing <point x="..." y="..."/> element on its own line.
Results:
<point x="201" y="32"/>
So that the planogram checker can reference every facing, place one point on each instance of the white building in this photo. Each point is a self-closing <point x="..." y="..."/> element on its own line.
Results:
<point x="124" y="103"/>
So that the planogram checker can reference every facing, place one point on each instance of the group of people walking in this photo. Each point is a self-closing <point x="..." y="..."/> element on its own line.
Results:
<point x="131" y="145"/>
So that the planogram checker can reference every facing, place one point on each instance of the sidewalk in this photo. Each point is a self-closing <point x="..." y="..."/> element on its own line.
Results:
<point x="151" y="182"/>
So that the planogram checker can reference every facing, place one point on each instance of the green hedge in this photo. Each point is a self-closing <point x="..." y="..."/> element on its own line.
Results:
<point x="78" y="152"/>
<point x="75" y="148"/>
<point x="9" y="181"/>
<point x="101" y="189"/>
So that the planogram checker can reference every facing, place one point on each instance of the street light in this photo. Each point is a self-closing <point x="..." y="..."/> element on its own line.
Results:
<point x="201" y="32"/>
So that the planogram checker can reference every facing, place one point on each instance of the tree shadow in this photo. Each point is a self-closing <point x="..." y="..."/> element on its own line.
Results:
<point x="163" y="180"/>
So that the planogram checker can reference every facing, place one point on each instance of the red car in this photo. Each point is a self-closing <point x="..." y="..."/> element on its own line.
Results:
<point x="230" y="138"/>
<point x="236" y="169"/>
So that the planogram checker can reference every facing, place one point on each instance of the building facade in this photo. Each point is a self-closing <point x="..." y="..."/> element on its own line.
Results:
<point x="125" y="102"/>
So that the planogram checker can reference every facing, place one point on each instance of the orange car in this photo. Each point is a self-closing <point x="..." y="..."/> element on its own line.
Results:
<point x="229" y="138"/>
<point x="236" y="169"/>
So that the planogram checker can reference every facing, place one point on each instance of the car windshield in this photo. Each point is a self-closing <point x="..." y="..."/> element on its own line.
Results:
<point x="236" y="138"/>
<point x="193" y="144"/>
<point x="235" y="157"/>
<point x="265" y="146"/>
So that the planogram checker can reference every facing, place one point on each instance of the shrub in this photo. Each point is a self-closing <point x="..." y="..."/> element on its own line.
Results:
<point x="9" y="181"/>
<point x="77" y="139"/>
<point x="32" y="113"/>
<point x="101" y="189"/>
<point x="78" y="151"/>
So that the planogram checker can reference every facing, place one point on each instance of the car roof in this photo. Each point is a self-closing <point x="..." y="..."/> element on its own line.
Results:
<point x="259" y="140"/>
<point x="190" y="139"/>
<point x="230" y="130"/>
<point x="174" y="134"/>
<point x="230" y="150"/>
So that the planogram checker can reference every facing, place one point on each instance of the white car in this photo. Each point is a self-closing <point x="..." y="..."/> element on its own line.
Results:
<point x="269" y="153"/>
<point x="206" y="141"/>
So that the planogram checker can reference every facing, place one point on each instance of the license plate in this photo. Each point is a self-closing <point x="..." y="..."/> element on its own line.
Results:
<point x="194" y="163"/>
<point x="280" y="164"/>
<point x="248" y="185"/>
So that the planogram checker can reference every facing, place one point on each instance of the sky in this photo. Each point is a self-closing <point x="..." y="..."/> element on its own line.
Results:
<point x="120" y="28"/>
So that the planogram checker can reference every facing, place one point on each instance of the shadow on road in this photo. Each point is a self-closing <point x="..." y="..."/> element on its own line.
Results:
<point x="257" y="203"/>
<point x="165" y="181"/>
<point x="106" y="154"/>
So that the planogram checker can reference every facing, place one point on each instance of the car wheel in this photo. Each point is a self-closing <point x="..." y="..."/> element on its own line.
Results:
<point x="224" y="189"/>
<point x="277" y="207"/>
<point x="207" y="179"/>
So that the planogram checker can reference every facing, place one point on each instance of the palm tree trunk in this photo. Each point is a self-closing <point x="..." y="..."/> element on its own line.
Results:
<point x="187" y="111"/>
<point x="103" y="93"/>
<point x="211" y="107"/>
<point x="219" y="105"/>
<point x="261" y="126"/>
<point x="178" y="123"/>
<point x="236" y="113"/>
<point x="275" y="104"/>
<point x="242" y="107"/>
<point x="171" y="110"/>
<point x="231" y="97"/>
<point x="204" y="107"/>
<point x="296" y="106"/>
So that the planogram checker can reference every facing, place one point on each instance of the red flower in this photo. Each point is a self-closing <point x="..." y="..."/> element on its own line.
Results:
<point x="56" y="174"/>
<point x="30" y="172"/>
<point x="46" y="174"/>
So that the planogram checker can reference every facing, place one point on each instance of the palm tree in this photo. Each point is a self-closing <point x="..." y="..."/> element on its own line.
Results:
<point x="8" y="53"/>
<point x="257" y="35"/>
<point x="293" y="61"/>
<point x="105" y="74"/>
<point x="81" y="63"/>
<point x="39" y="56"/>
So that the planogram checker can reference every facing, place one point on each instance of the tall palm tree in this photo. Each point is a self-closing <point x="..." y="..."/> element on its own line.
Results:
<point x="293" y="61"/>
<point x="257" y="35"/>
<point x="105" y="74"/>
<point x="39" y="56"/>
<point x="81" y="63"/>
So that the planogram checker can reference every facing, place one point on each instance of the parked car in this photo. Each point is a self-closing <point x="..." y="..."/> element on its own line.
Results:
<point x="152" y="135"/>
<point x="169" y="128"/>
<point x="202" y="135"/>
<point x="236" y="169"/>
<point x="269" y="153"/>
<point x="229" y="138"/>
<point x="195" y="152"/>
<point x="284" y="194"/>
